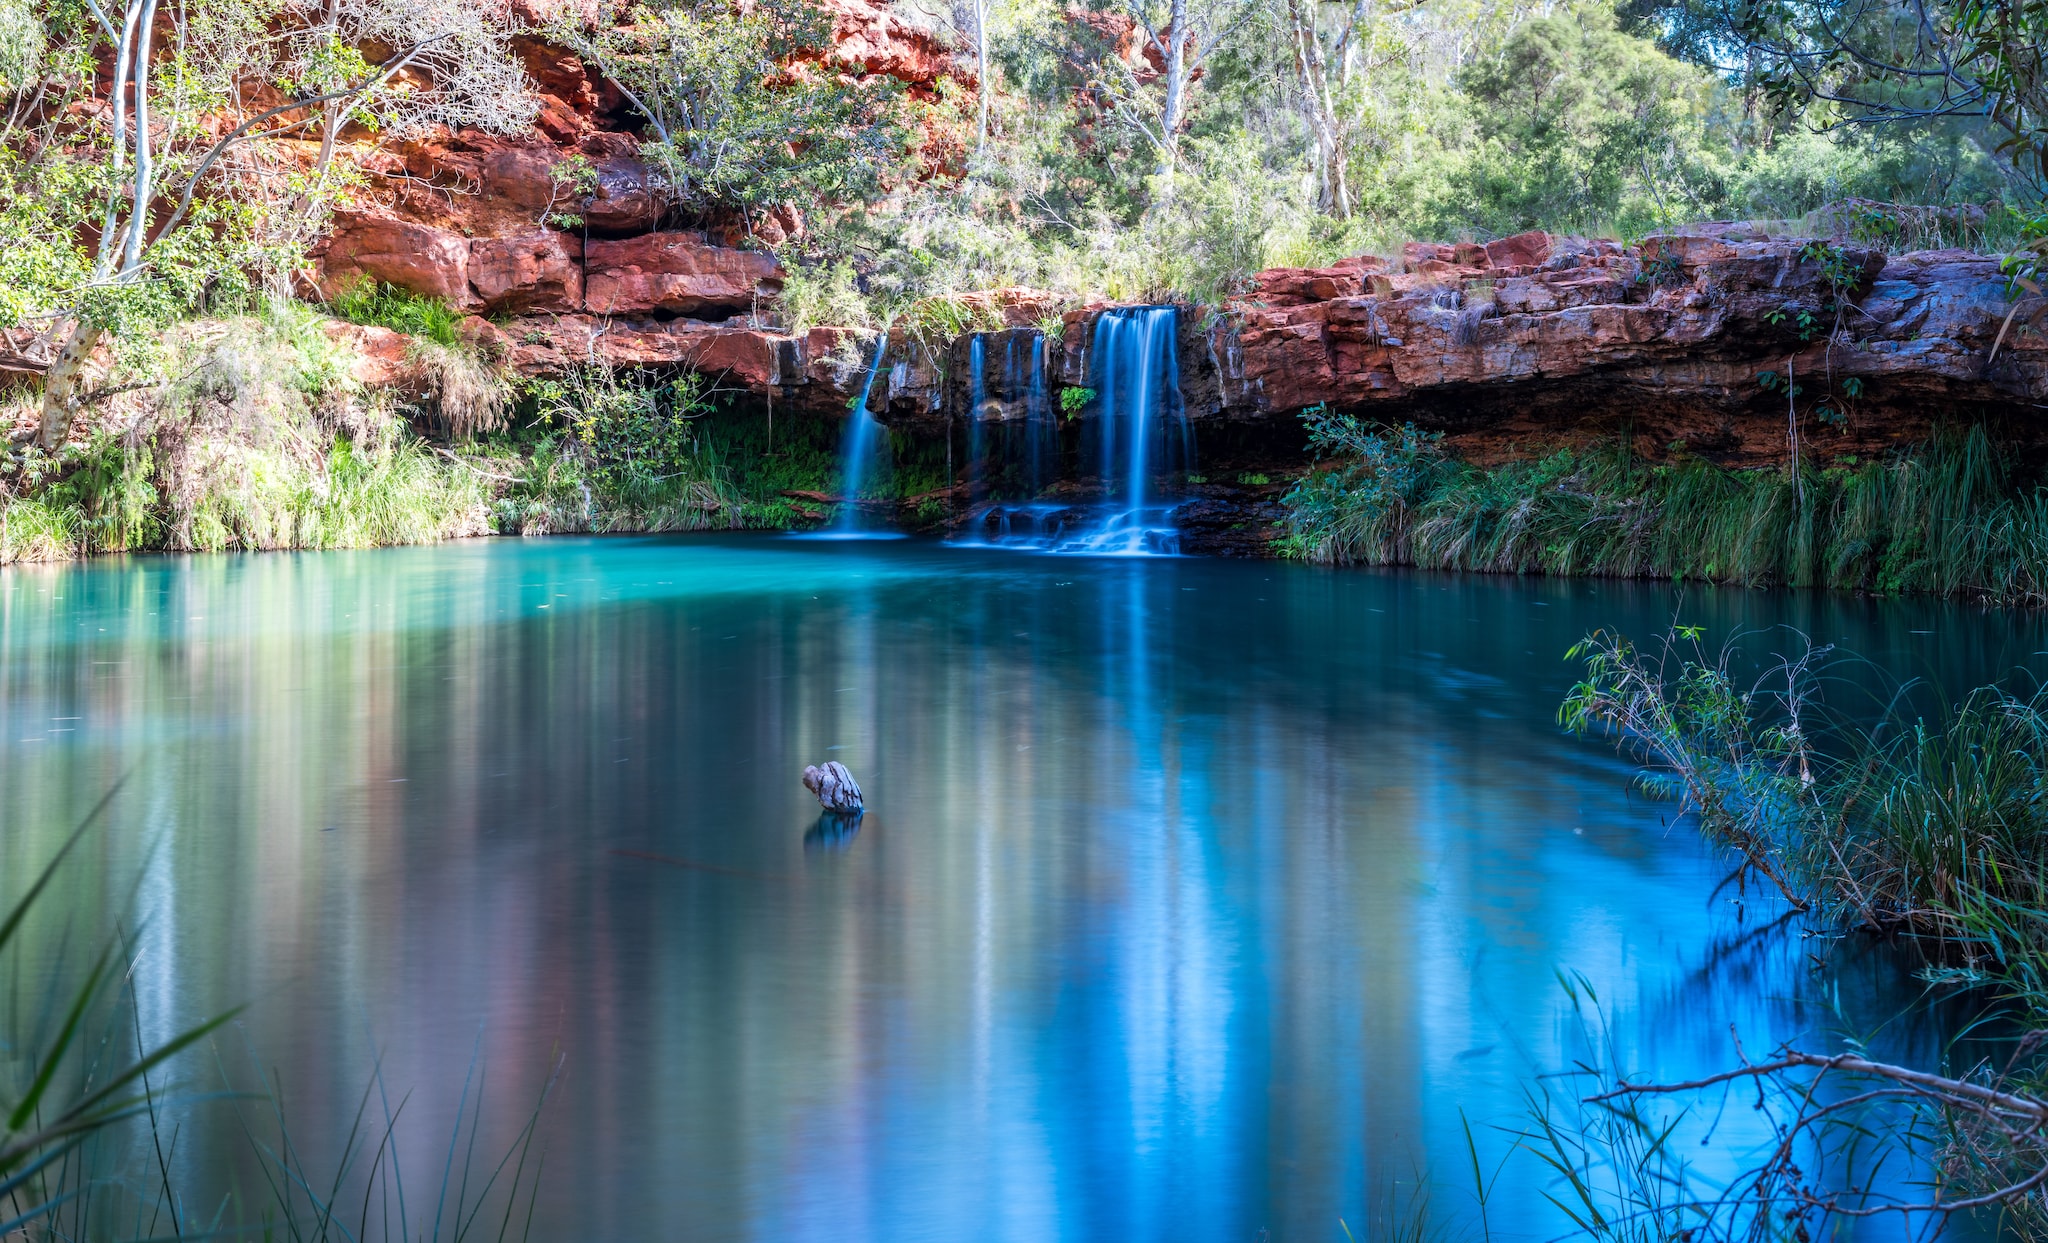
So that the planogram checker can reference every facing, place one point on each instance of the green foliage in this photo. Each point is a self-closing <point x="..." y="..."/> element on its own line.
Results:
<point x="262" y="443"/>
<point x="1074" y="400"/>
<point x="624" y="426"/>
<point x="1578" y="123"/>
<point x="1945" y="520"/>
<point x="1931" y="830"/>
<point x="825" y="293"/>
<point x="1365" y="510"/>
<point x="22" y="44"/>
<point x="619" y="452"/>
<point x="387" y="306"/>
<point x="732" y="127"/>
<point x="572" y="179"/>
<point x="1737" y="756"/>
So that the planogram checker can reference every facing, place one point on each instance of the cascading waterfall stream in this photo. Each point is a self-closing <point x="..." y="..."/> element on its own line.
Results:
<point x="1137" y="380"/>
<point x="977" y="396"/>
<point x="1041" y="427"/>
<point x="862" y="436"/>
<point x="1142" y="432"/>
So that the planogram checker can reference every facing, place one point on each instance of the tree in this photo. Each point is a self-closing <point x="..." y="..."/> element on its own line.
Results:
<point x="1579" y="124"/>
<point x="121" y="213"/>
<point x="1889" y="64"/>
<point x="745" y="108"/>
<point x="1178" y="37"/>
<point x="1331" y="45"/>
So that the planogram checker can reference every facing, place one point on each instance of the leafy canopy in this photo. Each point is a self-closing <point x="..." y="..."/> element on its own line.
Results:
<point x="745" y="107"/>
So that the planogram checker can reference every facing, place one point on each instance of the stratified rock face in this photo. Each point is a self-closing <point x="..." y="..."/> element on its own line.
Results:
<point x="411" y="256"/>
<point x="1531" y="334"/>
<point x="1684" y="315"/>
<point x="679" y="274"/>
<point x="573" y="236"/>
<point x="538" y="269"/>
<point x="541" y="270"/>
<point x="498" y="224"/>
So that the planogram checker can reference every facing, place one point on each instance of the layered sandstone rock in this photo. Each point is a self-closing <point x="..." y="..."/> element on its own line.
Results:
<point x="497" y="224"/>
<point x="678" y="274"/>
<point x="549" y="270"/>
<point x="1520" y="339"/>
<point x="540" y="270"/>
<point x="417" y="257"/>
<point x="1687" y="320"/>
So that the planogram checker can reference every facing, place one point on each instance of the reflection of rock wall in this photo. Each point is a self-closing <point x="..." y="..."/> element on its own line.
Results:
<point x="1215" y="905"/>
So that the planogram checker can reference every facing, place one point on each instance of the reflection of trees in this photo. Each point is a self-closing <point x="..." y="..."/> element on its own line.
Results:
<point x="1162" y="914"/>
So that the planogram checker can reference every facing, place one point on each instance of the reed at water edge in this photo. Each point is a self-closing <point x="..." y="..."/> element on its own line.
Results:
<point x="92" y="1116"/>
<point x="1950" y="518"/>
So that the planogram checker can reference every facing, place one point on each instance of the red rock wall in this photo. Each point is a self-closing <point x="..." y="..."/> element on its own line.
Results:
<point x="473" y="219"/>
<point x="1530" y="340"/>
<point x="1506" y="344"/>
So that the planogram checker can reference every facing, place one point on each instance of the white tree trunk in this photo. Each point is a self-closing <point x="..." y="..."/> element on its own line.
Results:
<point x="60" y="384"/>
<point x="1177" y="70"/>
<point x="981" y="69"/>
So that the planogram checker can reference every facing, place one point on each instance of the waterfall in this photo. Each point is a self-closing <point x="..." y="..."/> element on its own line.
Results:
<point x="1141" y="433"/>
<point x="1041" y="423"/>
<point x="860" y="441"/>
<point x="977" y="396"/>
<point x="1142" y="422"/>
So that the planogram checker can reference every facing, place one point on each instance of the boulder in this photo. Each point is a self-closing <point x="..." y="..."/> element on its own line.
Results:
<point x="678" y="273"/>
<point x="1523" y="250"/>
<point x="835" y="787"/>
<point x="536" y="271"/>
<point x="415" y="257"/>
<point x="1347" y="278"/>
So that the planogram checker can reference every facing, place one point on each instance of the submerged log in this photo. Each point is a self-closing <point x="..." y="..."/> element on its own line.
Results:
<point x="835" y="787"/>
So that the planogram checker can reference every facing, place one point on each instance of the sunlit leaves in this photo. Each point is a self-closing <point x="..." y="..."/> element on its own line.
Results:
<point x="746" y="106"/>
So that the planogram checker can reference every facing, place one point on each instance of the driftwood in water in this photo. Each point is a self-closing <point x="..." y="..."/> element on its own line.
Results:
<point x="835" y="787"/>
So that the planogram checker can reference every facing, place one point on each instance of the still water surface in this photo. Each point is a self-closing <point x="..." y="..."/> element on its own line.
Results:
<point x="1197" y="898"/>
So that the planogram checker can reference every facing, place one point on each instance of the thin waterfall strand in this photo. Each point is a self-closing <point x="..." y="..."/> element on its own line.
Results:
<point x="861" y="438"/>
<point x="977" y="386"/>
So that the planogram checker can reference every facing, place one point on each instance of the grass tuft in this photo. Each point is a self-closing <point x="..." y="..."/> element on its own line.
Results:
<point x="1946" y="520"/>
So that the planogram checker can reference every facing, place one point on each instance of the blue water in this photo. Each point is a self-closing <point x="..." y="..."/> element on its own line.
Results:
<point x="1195" y="898"/>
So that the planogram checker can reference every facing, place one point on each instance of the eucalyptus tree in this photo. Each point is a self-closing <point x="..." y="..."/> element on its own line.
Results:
<point x="1333" y="44"/>
<point x="1176" y="41"/>
<point x="119" y="212"/>
<point x="744" y="104"/>
<point x="1889" y="63"/>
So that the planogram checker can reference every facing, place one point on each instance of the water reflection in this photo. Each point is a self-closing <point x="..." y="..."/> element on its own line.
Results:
<point x="835" y="830"/>
<point x="1196" y="898"/>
